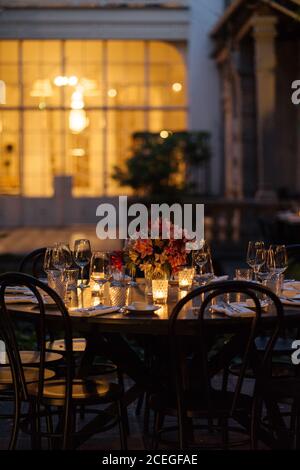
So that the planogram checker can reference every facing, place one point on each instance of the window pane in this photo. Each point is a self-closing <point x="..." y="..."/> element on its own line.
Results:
<point x="42" y="63"/>
<point x="85" y="156"/>
<point x="120" y="127"/>
<point x="167" y="120"/>
<point x="126" y="73"/>
<point x="9" y="71"/>
<point x="84" y="65"/>
<point x="38" y="146"/>
<point x="9" y="152"/>
<point x="167" y="76"/>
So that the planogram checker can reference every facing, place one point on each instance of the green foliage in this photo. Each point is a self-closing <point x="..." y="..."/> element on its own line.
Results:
<point x="160" y="165"/>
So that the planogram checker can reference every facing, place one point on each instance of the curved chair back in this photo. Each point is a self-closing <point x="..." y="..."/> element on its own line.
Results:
<point x="206" y="295"/>
<point x="32" y="263"/>
<point x="8" y="332"/>
<point x="293" y="252"/>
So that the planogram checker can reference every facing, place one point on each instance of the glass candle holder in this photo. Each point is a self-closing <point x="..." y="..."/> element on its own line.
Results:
<point x="160" y="291"/>
<point x="56" y="282"/>
<point x="118" y="294"/>
<point x="185" y="278"/>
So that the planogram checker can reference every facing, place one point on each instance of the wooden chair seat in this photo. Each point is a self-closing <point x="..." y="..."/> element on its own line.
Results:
<point x="89" y="390"/>
<point x="31" y="358"/>
<point x="79" y="345"/>
<point x="31" y="374"/>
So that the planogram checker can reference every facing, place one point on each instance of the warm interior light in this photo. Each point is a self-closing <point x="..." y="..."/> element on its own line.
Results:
<point x="78" y="152"/>
<point x="112" y="92"/>
<point x="73" y="80"/>
<point x="164" y="134"/>
<point x="60" y="80"/>
<point x="78" y="120"/>
<point x="77" y="100"/>
<point x="176" y="87"/>
<point x="2" y="92"/>
<point x="41" y="88"/>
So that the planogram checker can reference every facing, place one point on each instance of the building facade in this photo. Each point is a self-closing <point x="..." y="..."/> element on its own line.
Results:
<point x="81" y="77"/>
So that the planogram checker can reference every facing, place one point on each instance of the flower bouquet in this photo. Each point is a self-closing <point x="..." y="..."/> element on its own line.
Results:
<point x="158" y="256"/>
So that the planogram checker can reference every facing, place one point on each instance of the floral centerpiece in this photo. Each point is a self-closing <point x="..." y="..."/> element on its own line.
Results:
<point x="158" y="255"/>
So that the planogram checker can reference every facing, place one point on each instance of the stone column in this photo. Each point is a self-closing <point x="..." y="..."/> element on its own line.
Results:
<point x="233" y="182"/>
<point x="264" y="32"/>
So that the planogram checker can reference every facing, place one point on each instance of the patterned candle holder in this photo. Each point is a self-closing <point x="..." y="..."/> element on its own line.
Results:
<point x="160" y="289"/>
<point x="56" y="282"/>
<point x="185" y="278"/>
<point x="118" y="294"/>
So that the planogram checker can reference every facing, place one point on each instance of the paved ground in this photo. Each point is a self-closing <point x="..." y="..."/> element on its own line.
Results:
<point x="110" y="439"/>
<point x="20" y="241"/>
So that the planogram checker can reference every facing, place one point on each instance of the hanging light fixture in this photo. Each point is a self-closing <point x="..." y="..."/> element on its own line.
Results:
<point x="78" y="120"/>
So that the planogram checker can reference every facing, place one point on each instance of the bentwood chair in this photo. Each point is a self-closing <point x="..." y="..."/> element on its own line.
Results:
<point x="196" y="397"/>
<point x="274" y="391"/>
<point x="49" y="396"/>
<point x="32" y="263"/>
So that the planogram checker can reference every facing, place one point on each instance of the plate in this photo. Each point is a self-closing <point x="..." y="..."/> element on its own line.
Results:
<point x="148" y="309"/>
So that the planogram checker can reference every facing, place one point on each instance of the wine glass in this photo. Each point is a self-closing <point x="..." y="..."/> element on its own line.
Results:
<point x="277" y="259"/>
<point x="82" y="256"/>
<point x="48" y="260"/>
<point x="100" y="269"/>
<point x="207" y="271"/>
<point x="201" y="256"/>
<point x="62" y="256"/>
<point x="131" y="267"/>
<point x="256" y="256"/>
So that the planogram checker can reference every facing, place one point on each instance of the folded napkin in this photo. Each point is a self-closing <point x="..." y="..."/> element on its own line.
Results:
<point x="290" y="300"/>
<point x="234" y="309"/>
<point x="93" y="311"/>
<point x="18" y="299"/>
<point x="291" y="286"/>
<point x="219" y="278"/>
<point x="18" y="290"/>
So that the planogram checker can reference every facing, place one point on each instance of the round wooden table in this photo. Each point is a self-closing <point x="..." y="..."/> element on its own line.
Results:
<point x="155" y="324"/>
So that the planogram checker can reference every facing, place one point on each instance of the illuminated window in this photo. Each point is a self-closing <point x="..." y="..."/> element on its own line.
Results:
<point x="72" y="107"/>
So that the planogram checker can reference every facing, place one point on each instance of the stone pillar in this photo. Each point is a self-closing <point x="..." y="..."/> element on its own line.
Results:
<point x="233" y="183"/>
<point x="264" y="32"/>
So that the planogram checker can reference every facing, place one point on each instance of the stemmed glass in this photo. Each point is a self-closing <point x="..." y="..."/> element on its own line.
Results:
<point x="82" y="256"/>
<point x="256" y="256"/>
<point x="277" y="259"/>
<point x="100" y="270"/>
<point x="62" y="256"/>
<point x="48" y="260"/>
<point x="132" y="268"/>
<point x="201" y="256"/>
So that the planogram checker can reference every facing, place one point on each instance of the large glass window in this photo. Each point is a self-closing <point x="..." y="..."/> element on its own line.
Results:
<point x="72" y="107"/>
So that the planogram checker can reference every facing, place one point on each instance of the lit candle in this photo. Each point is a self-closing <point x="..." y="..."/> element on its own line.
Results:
<point x="185" y="278"/>
<point x="160" y="291"/>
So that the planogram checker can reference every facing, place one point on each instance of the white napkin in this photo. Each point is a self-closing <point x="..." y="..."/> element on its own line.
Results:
<point x="292" y="286"/>
<point x="18" y="299"/>
<point x="234" y="309"/>
<point x="294" y="301"/>
<point x="18" y="290"/>
<point x="219" y="278"/>
<point x="93" y="311"/>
